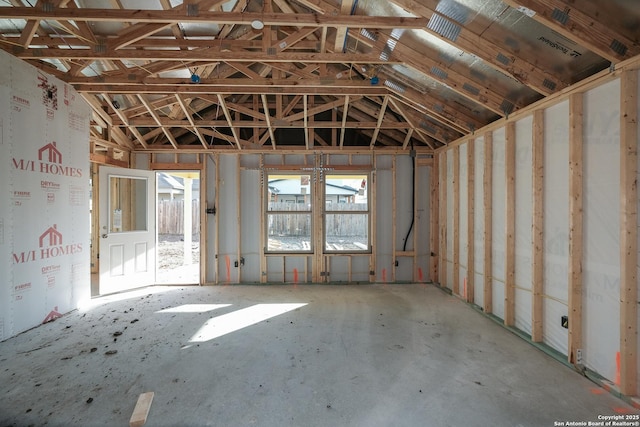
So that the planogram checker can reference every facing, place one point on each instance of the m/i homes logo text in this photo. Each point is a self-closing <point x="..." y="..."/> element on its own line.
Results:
<point x="50" y="245"/>
<point x="49" y="162"/>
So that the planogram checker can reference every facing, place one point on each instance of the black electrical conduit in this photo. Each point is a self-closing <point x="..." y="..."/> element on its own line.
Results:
<point x="413" y="196"/>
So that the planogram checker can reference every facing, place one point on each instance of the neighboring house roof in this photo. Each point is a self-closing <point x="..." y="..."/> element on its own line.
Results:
<point x="167" y="182"/>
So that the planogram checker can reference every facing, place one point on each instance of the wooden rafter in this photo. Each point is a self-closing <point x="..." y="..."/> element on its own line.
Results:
<point x="383" y="110"/>
<point x="254" y="82"/>
<point x="579" y="27"/>
<point x="155" y="117"/>
<point x="414" y="126"/>
<point x="225" y="110"/>
<point x="345" y="110"/>
<point x="425" y="65"/>
<point x="267" y="117"/>
<point x="125" y="120"/>
<point x="196" y="130"/>
<point x="341" y="35"/>
<point x="519" y="68"/>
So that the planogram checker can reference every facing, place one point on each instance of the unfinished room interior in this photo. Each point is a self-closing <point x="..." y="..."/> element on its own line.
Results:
<point x="319" y="213"/>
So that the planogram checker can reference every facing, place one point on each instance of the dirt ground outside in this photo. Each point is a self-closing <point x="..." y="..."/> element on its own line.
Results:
<point x="170" y="260"/>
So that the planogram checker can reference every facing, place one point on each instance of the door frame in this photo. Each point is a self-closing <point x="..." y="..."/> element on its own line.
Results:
<point x="136" y="269"/>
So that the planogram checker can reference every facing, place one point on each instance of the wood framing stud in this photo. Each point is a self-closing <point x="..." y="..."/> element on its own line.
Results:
<point x="456" y="220"/>
<point x="629" y="233"/>
<point x="537" y="226"/>
<point x="510" y="226"/>
<point x="470" y="220"/>
<point x="443" y="218"/>
<point x="575" y="223"/>
<point x="487" y="183"/>
<point x="434" y="245"/>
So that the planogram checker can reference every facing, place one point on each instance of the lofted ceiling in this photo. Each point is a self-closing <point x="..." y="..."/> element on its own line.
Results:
<point x="264" y="75"/>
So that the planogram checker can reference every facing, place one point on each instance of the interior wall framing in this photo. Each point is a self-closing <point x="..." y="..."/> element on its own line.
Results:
<point x="555" y="209"/>
<point x="235" y="234"/>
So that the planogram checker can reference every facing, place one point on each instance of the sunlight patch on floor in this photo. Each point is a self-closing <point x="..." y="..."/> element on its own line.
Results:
<point x="90" y="303"/>
<point x="193" y="308"/>
<point x="231" y="322"/>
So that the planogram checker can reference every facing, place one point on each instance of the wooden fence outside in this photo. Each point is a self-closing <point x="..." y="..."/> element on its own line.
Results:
<point x="171" y="216"/>
<point x="337" y="223"/>
<point x="296" y="223"/>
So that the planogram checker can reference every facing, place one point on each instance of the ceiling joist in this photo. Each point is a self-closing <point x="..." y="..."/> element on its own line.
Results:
<point x="311" y="74"/>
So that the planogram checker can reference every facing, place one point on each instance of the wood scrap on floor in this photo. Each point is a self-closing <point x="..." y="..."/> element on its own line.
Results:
<point x="141" y="411"/>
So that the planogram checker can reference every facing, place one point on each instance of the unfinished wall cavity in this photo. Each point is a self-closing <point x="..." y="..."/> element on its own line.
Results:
<point x="563" y="278"/>
<point x="498" y="251"/>
<point x="236" y="237"/>
<point x="479" y="212"/>
<point x="385" y="246"/>
<point x="523" y="222"/>
<point x="556" y="225"/>
<point x="463" y="237"/>
<point x="601" y="277"/>
<point x="448" y="219"/>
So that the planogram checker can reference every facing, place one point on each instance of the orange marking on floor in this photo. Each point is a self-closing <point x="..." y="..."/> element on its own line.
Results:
<point x="420" y="274"/>
<point x="597" y="390"/>
<point x="623" y="410"/>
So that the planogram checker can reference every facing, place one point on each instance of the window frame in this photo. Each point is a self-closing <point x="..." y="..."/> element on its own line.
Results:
<point x="295" y="202"/>
<point x="357" y="174"/>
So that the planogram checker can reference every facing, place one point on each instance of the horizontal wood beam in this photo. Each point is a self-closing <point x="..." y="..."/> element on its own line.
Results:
<point x="279" y="123"/>
<point x="192" y="89"/>
<point x="176" y="166"/>
<point x="219" y="18"/>
<point x="249" y="148"/>
<point x="210" y="55"/>
<point x="115" y="82"/>
<point x="104" y="159"/>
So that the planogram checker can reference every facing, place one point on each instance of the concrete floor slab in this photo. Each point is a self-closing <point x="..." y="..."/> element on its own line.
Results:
<point x="371" y="355"/>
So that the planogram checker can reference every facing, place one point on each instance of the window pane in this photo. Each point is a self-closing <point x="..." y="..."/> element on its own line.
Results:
<point x="289" y="192"/>
<point x="127" y="204"/>
<point x="346" y="193"/>
<point x="347" y="232"/>
<point x="289" y="232"/>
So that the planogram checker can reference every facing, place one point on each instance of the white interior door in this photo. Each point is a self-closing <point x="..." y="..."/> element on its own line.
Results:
<point x="127" y="229"/>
